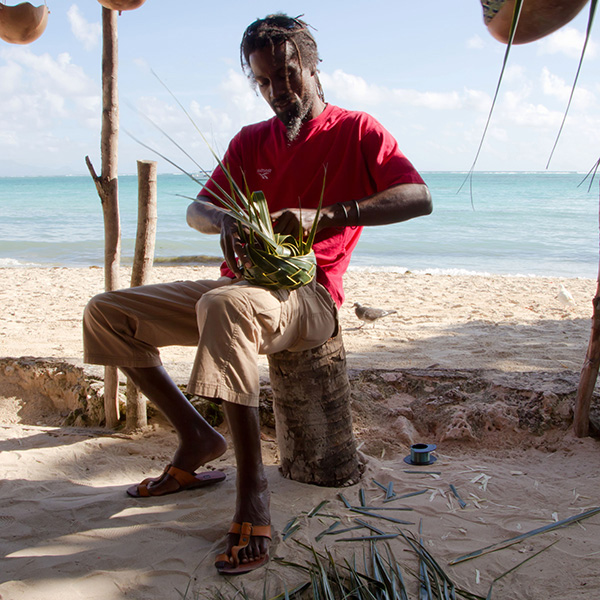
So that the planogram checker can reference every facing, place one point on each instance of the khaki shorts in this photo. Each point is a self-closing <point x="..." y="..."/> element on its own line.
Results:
<point x="230" y="323"/>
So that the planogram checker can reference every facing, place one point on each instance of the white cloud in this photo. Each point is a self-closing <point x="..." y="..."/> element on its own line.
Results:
<point x="514" y="74"/>
<point x="499" y="134"/>
<point x="477" y="100"/>
<point x="87" y="33"/>
<point x="42" y="72"/>
<point x="237" y="106"/>
<point x="430" y="100"/>
<point x="353" y="88"/>
<point x="527" y="114"/>
<point x="357" y="92"/>
<point x="10" y="74"/>
<point x="247" y="104"/>
<point x="475" y="42"/>
<point x="42" y="94"/>
<point x="55" y="103"/>
<point x="555" y="86"/>
<point x="568" y="41"/>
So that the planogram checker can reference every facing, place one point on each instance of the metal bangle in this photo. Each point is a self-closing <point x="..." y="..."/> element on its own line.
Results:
<point x="357" y="213"/>
<point x="345" y="212"/>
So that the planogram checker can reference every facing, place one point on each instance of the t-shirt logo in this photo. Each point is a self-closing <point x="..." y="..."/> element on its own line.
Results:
<point x="264" y="173"/>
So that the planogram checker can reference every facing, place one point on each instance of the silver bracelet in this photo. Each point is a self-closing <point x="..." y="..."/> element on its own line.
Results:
<point x="357" y="213"/>
<point x="345" y="213"/>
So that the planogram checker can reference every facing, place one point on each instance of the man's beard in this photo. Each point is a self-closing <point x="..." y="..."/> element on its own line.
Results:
<point x="293" y="127"/>
<point x="294" y="117"/>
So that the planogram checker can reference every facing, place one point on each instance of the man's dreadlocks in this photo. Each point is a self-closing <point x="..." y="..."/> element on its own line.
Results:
<point x="277" y="29"/>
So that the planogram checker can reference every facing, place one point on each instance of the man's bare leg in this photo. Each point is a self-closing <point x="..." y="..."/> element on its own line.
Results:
<point x="199" y="443"/>
<point x="252" y="500"/>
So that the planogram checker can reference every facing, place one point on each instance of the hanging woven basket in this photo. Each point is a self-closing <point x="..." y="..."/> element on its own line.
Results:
<point x="23" y="23"/>
<point x="121" y="4"/>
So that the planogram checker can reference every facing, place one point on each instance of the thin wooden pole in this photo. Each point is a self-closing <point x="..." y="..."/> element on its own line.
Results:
<point x="110" y="149"/>
<point x="108" y="189"/>
<point x="146" y="227"/>
<point x="589" y="371"/>
<point x="142" y="269"/>
<point x="110" y="154"/>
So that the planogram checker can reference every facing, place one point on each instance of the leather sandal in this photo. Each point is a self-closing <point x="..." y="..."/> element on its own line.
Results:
<point x="184" y="479"/>
<point x="230" y="564"/>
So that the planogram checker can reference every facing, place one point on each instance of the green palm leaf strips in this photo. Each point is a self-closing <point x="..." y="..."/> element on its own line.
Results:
<point x="278" y="261"/>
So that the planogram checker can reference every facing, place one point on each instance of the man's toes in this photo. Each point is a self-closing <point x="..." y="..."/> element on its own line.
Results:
<point x="263" y="548"/>
<point x="248" y="555"/>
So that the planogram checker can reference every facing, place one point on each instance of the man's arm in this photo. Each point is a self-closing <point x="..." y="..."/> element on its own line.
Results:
<point x="204" y="217"/>
<point x="208" y="219"/>
<point x="398" y="203"/>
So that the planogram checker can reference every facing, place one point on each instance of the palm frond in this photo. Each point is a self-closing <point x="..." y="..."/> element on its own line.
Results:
<point x="524" y="536"/>
<point x="593" y="4"/>
<point x="489" y="594"/>
<point x="591" y="172"/>
<point x="511" y="37"/>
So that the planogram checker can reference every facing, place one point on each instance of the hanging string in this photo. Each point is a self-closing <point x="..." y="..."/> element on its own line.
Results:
<point x="513" y="29"/>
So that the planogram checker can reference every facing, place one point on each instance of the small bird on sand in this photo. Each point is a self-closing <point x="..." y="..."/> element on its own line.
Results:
<point x="369" y="315"/>
<point x="565" y="297"/>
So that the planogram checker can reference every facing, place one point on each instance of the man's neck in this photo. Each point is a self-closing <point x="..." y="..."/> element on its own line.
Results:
<point x="317" y="108"/>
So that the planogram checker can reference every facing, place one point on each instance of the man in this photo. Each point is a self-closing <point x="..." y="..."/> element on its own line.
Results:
<point x="368" y="182"/>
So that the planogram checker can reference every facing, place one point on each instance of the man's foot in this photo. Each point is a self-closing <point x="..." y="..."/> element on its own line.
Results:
<point x="248" y="547"/>
<point x="174" y="480"/>
<point x="249" y="537"/>
<point x="199" y="443"/>
<point x="201" y="447"/>
<point x="230" y="564"/>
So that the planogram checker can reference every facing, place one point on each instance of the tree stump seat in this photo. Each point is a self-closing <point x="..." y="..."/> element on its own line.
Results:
<point x="311" y="402"/>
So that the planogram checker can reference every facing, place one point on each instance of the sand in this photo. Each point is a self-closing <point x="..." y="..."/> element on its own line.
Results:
<point x="496" y="359"/>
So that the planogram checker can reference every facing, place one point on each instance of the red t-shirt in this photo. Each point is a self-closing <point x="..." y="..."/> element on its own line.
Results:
<point x="361" y="158"/>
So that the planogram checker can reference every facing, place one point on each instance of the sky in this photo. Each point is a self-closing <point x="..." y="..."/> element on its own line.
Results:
<point x="426" y="70"/>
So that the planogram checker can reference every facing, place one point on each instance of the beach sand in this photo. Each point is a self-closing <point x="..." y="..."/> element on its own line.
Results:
<point x="484" y="367"/>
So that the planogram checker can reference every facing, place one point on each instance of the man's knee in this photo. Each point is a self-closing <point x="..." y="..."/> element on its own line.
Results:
<point x="224" y="301"/>
<point x="95" y="307"/>
<point x="99" y="311"/>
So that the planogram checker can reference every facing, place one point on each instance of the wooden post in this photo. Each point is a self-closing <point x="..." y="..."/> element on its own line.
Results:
<point x="589" y="374"/>
<point x="142" y="268"/>
<point x="146" y="226"/>
<point x="107" y="186"/>
<point x="311" y="401"/>
<point x="589" y="371"/>
<point x="110" y="149"/>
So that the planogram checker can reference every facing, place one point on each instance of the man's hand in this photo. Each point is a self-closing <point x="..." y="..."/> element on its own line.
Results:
<point x="232" y="246"/>
<point x="287" y="221"/>
<point x="205" y="217"/>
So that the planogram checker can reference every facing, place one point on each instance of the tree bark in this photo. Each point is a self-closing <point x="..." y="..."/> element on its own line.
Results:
<point x="110" y="149"/>
<point x="589" y="371"/>
<point x="136" y="417"/>
<point x="108" y="190"/>
<point x="589" y="375"/>
<point x="311" y="402"/>
<point x="143" y="258"/>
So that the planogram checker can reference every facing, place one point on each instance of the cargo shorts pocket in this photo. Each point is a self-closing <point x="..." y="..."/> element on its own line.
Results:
<point x="318" y="319"/>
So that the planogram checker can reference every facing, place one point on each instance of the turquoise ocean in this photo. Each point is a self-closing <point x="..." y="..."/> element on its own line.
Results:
<point x="531" y="224"/>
